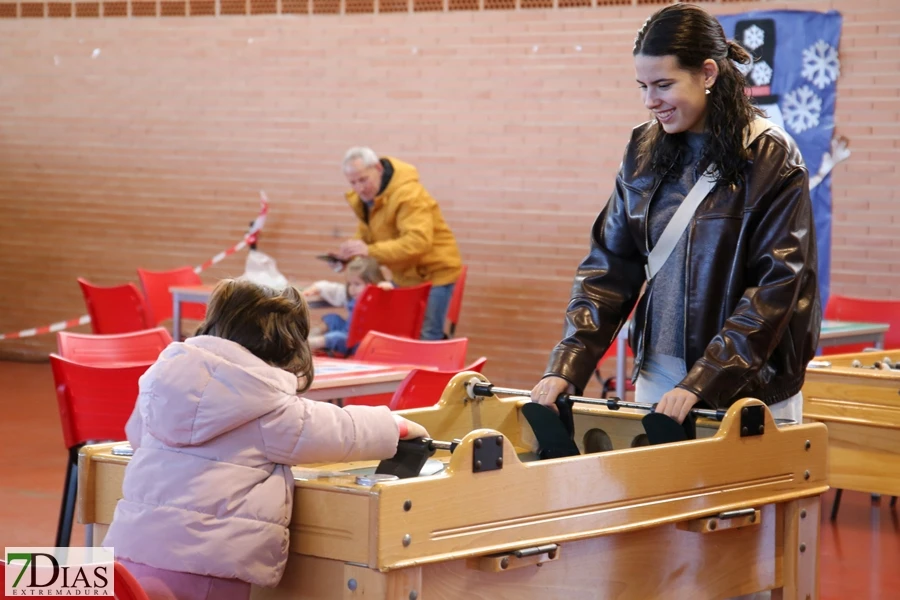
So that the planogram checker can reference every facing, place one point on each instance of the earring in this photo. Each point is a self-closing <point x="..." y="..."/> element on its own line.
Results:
<point x="707" y="92"/>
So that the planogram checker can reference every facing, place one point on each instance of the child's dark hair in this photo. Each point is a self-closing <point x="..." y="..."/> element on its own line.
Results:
<point x="692" y="35"/>
<point x="367" y="268"/>
<point x="272" y="324"/>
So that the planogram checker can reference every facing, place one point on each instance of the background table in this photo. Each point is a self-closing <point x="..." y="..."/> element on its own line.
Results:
<point x="343" y="378"/>
<point x="833" y="333"/>
<point x="201" y="294"/>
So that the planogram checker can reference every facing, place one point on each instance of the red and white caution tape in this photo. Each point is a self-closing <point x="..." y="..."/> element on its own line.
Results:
<point x="83" y="320"/>
<point x="249" y="238"/>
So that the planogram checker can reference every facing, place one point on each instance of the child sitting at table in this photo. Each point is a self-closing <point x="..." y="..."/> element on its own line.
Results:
<point x="219" y="420"/>
<point x="362" y="271"/>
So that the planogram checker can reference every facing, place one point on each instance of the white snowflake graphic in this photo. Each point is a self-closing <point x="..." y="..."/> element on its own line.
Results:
<point x="762" y="73"/>
<point x="744" y="69"/>
<point x="754" y="37"/>
<point x="820" y="64"/>
<point x="801" y="109"/>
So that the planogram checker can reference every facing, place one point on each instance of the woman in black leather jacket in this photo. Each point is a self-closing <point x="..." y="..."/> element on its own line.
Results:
<point x="734" y="312"/>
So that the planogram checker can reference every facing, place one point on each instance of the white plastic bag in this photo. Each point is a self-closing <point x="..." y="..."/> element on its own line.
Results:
<point x="262" y="270"/>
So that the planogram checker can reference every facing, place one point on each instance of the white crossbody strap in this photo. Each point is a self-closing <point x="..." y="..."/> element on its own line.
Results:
<point x="679" y="222"/>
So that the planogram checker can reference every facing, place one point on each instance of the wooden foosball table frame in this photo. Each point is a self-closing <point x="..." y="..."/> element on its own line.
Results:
<point x="861" y="408"/>
<point x="734" y="513"/>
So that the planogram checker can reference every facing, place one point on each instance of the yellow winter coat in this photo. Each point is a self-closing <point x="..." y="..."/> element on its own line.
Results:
<point x="406" y="231"/>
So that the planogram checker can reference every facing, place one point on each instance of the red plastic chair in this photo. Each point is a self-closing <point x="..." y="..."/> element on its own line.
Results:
<point x="94" y="404"/>
<point x="423" y="388"/>
<point x="440" y="354"/>
<point x="862" y="310"/>
<point x="456" y="300"/>
<point x="138" y="346"/>
<point x="127" y="586"/>
<point x="382" y="348"/>
<point x="400" y="312"/>
<point x="116" y="309"/>
<point x="156" y="286"/>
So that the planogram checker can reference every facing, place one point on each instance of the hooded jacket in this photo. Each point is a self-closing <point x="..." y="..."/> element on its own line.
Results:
<point x="406" y="232"/>
<point x="209" y="489"/>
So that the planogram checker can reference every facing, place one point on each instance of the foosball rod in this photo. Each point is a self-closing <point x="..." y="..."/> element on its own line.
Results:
<point x="489" y="389"/>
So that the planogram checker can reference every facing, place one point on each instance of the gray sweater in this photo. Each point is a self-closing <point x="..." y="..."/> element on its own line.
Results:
<point x="666" y="315"/>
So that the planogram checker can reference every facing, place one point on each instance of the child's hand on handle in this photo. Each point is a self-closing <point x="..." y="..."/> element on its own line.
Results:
<point x="677" y="403"/>
<point x="410" y="430"/>
<point x="548" y="390"/>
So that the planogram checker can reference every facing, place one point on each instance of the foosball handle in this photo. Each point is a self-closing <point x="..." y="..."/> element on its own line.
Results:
<point x="409" y="459"/>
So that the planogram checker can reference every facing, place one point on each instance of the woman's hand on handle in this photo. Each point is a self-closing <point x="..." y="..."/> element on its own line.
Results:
<point x="677" y="403"/>
<point x="548" y="390"/>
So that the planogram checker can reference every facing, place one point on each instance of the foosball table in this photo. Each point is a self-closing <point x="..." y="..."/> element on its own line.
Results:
<point x="858" y="397"/>
<point x="733" y="512"/>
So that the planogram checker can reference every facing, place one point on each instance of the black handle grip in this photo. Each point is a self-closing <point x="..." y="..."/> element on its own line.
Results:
<point x="482" y="389"/>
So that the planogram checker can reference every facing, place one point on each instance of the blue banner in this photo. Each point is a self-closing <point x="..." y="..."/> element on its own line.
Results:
<point x="794" y="79"/>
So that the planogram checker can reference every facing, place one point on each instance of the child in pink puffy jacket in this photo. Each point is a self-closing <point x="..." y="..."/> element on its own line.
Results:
<point x="218" y="423"/>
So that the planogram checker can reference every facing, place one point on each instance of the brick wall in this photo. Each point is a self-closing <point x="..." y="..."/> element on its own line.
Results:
<point x="128" y="141"/>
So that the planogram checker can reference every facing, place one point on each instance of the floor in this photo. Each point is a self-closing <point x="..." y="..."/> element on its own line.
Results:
<point x="859" y="556"/>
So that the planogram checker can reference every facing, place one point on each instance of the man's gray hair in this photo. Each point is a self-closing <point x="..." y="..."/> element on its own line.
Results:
<point x="366" y="155"/>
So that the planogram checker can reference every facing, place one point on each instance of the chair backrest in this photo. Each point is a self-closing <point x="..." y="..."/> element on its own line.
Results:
<point x="423" y="388"/>
<point x="400" y="312"/>
<point x="456" y="300"/>
<point x="863" y="310"/>
<point x="439" y="354"/>
<point x="116" y="309"/>
<point x="89" y="349"/>
<point x="94" y="402"/>
<point x="156" y="286"/>
<point x="127" y="586"/>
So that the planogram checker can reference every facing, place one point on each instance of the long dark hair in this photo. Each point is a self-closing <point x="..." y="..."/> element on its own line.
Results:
<point x="692" y="35"/>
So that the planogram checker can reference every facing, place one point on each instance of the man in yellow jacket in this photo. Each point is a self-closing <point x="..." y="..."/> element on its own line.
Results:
<point x="401" y="226"/>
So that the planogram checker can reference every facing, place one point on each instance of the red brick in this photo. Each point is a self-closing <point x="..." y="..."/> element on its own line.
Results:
<point x="519" y="147"/>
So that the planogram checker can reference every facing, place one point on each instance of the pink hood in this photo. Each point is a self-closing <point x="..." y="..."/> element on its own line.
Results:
<point x="209" y="489"/>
